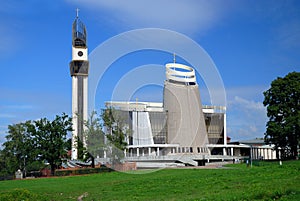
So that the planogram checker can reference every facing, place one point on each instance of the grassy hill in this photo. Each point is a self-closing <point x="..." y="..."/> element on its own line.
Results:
<point x="264" y="181"/>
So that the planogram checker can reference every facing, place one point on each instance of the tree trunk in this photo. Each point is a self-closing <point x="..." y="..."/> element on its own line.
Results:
<point x="52" y="169"/>
<point x="295" y="152"/>
<point x="93" y="162"/>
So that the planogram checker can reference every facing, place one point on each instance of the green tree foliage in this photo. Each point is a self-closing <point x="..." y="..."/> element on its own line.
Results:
<point x="69" y="145"/>
<point x="50" y="138"/>
<point x="283" y="109"/>
<point x="116" y="127"/>
<point x="117" y="131"/>
<point x="94" y="136"/>
<point x="81" y="150"/>
<point x="29" y="144"/>
<point x="17" y="152"/>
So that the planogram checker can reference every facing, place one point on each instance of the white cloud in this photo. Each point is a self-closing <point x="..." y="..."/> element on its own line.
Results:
<point x="251" y="92"/>
<point x="246" y="114"/>
<point x="246" y="118"/>
<point x="184" y="16"/>
<point x="250" y="106"/>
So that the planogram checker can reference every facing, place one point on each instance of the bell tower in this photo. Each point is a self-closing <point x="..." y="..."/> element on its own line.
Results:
<point x="79" y="69"/>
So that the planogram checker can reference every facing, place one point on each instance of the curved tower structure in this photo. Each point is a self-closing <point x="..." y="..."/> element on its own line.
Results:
<point x="186" y="123"/>
<point x="79" y="69"/>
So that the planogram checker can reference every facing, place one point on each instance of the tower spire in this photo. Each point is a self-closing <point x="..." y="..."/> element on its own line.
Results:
<point x="77" y="12"/>
<point x="174" y="57"/>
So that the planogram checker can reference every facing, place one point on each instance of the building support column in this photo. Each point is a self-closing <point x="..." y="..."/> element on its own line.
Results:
<point x="256" y="153"/>
<point x="74" y="118"/>
<point x="224" y="152"/>
<point x="209" y="152"/>
<point x="225" y="131"/>
<point x="85" y="110"/>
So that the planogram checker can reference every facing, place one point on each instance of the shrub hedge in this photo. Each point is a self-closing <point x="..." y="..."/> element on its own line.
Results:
<point x="80" y="171"/>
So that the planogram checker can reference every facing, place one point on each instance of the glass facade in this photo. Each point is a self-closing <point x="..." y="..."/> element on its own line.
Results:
<point x="215" y="127"/>
<point x="158" y="122"/>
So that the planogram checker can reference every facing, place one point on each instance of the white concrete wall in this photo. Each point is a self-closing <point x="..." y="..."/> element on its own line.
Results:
<point x="141" y="127"/>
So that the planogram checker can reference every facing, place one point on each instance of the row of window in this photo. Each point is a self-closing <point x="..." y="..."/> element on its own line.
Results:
<point x="189" y="150"/>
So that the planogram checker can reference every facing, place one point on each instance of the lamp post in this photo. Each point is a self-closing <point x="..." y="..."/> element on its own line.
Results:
<point x="251" y="156"/>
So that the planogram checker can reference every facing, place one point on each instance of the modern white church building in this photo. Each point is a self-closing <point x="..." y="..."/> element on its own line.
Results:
<point x="178" y="131"/>
<point x="181" y="131"/>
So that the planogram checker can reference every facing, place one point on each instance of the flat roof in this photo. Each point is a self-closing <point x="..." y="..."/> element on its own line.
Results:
<point x="156" y="106"/>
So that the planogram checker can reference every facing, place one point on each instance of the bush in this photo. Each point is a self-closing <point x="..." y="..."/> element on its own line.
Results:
<point x="19" y="194"/>
<point x="82" y="171"/>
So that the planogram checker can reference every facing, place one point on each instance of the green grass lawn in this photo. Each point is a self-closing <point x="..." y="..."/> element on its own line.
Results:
<point x="268" y="181"/>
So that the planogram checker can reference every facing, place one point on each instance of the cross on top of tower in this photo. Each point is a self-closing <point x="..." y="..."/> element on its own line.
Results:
<point x="77" y="11"/>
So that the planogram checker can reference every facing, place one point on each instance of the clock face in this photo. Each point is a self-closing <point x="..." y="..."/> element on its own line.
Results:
<point x="80" y="53"/>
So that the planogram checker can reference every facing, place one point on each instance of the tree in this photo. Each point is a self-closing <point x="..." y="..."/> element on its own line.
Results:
<point x="30" y="143"/>
<point x="17" y="152"/>
<point x="117" y="132"/>
<point x="50" y="139"/>
<point x="116" y="127"/>
<point x="94" y="136"/>
<point x="283" y="109"/>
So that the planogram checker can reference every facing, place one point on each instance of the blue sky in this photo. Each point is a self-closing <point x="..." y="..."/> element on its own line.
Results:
<point x="250" y="42"/>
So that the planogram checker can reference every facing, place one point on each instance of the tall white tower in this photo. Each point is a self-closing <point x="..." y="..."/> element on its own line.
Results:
<point x="79" y="69"/>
